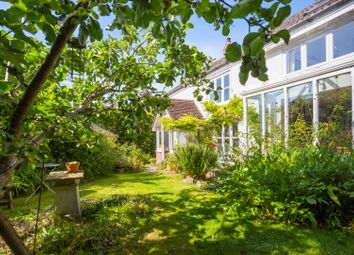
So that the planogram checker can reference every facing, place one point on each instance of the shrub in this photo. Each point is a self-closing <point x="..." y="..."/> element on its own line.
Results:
<point x="309" y="185"/>
<point x="169" y="163"/>
<point x="133" y="157"/>
<point x="97" y="161"/>
<point x="195" y="159"/>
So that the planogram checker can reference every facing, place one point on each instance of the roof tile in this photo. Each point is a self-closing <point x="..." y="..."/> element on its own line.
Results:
<point x="181" y="108"/>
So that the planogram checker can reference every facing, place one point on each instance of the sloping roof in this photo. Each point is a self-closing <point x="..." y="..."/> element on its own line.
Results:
<point x="181" y="108"/>
<point x="317" y="7"/>
<point x="217" y="64"/>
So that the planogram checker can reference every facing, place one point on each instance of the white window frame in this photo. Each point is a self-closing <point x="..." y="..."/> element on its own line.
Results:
<point x="301" y="58"/>
<point x="324" y="35"/>
<point x="332" y="41"/>
<point x="214" y="80"/>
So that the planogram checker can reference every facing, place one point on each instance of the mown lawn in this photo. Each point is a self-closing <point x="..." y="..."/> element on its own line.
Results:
<point x="175" y="218"/>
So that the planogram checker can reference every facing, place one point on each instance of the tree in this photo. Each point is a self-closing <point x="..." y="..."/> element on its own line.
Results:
<point x="58" y="20"/>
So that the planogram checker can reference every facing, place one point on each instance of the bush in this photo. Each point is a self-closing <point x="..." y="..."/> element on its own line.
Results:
<point x="169" y="163"/>
<point x="134" y="158"/>
<point x="304" y="185"/>
<point x="97" y="161"/>
<point x="195" y="159"/>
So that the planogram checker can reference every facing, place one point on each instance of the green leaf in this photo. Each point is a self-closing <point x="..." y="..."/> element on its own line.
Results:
<point x="333" y="196"/>
<point x="282" y="14"/>
<point x="284" y="34"/>
<point x="225" y="31"/>
<point x="243" y="77"/>
<point x="104" y="9"/>
<point x="244" y="8"/>
<point x="5" y="86"/>
<point x="233" y="52"/>
<point x="311" y="201"/>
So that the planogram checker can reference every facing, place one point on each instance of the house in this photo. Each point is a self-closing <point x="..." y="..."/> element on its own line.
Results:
<point x="310" y="79"/>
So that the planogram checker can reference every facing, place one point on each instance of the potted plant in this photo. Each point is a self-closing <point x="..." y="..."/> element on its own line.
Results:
<point x="73" y="166"/>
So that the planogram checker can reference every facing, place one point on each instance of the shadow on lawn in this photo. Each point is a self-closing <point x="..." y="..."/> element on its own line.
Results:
<point x="194" y="224"/>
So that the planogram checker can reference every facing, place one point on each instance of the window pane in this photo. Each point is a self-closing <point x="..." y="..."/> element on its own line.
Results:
<point x="226" y="94"/>
<point x="343" y="40"/>
<point x="226" y="81"/>
<point x="316" y="51"/>
<point x="211" y="95"/>
<point x="254" y="112"/>
<point x="218" y="86"/>
<point x="294" y="60"/>
<point x="335" y="110"/>
<point x="300" y="115"/>
<point x="275" y="110"/>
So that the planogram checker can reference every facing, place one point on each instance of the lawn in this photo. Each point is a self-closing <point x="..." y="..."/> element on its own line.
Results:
<point x="162" y="215"/>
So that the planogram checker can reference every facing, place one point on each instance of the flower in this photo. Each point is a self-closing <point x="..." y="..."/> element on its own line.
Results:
<point x="214" y="145"/>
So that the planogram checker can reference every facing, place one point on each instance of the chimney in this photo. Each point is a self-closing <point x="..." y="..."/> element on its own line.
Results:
<point x="228" y="41"/>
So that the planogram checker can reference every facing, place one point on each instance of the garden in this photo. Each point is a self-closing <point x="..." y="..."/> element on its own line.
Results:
<point x="79" y="94"/>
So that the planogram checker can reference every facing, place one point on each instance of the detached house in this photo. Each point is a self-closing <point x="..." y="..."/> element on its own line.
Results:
<point x="311" y="78"/>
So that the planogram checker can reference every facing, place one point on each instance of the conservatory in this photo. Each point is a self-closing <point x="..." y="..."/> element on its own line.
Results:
<point x="323" y="106"/>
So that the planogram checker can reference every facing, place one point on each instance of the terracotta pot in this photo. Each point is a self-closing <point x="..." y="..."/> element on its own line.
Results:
<point x="72" y="167"/>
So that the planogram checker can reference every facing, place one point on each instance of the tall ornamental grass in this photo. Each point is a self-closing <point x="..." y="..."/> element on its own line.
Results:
<point x="195" y="159"/>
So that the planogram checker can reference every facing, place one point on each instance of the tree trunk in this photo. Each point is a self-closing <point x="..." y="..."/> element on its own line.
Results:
<point x="17" y="121"/>
<point x="10" y="236"/>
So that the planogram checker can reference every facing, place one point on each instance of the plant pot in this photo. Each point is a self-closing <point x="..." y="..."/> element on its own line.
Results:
<point x="72" y="167"/>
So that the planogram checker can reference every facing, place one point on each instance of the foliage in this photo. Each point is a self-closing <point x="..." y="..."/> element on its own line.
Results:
<point x="195" y="159"/>
<point x="186" y="123"/>
<point x="227" y="114"/>
<point x="169" y="163"/>
<point x="133" y="158"/>
<point x="310" y="185"/>
<point x="109" y="219"/>
<point x="97" y="161"/>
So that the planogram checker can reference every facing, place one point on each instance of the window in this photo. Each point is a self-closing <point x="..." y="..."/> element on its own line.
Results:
<point x="226" y="87"/>
<point x="343" y="40"/>
<point x="300" y="115"/>
<point x="335" y="110"/>
<point x="275" y="111"/>
<point x="254" y="112"/>
<point x="219" y="88"/>
<point x="293" y="60"/>
<point x="316" y="51"/>
<point x="212" y="96"/>
<point x="222" y="85"/>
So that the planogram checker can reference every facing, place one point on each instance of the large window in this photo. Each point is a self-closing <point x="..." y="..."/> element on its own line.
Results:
<point x="335" y="110"/>
<point x="293" y="59"/>
<point x="300" y="114"/>
<point x="343" y="40"/>
<point x="275" y="112"/>
<point x="316" y="51"/>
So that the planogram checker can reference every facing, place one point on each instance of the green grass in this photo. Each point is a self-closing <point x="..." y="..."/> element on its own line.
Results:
<point x="179" y="218"/>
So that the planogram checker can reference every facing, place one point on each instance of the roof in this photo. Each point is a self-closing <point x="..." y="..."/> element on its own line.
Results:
<point x="317" y="7"/>
<point x="217" y="64"/>
<point x="181" y="107"/>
